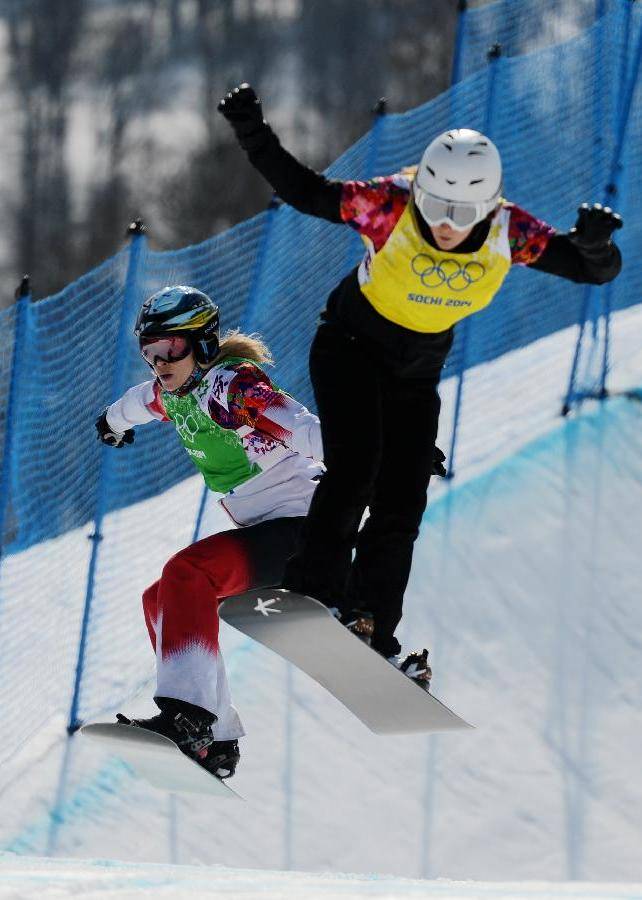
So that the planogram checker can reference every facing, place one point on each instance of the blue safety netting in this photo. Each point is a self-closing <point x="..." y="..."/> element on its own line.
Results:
<point x="521" y="26"/>
<point x="556" y="115"/>
<point x="567" y="118"/>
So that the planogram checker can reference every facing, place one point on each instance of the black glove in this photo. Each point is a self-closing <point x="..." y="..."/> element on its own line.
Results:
<point x="242" y="109"/>
<point x="594" y="227"/>
<point x="109" y="437"/>
<point x="438" y="460"/>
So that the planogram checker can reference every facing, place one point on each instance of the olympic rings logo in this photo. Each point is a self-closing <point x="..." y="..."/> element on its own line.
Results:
<point x="186" y="426"/>
<point x="433" y="274"/>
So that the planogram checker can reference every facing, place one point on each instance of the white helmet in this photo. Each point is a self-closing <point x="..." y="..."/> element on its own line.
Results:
<point x="459" y="180"/>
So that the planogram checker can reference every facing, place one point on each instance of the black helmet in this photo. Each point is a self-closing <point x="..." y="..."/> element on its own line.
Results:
<point x="182" y="310"/>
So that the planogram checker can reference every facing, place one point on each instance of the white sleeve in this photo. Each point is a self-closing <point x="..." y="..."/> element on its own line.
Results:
<point x="306" y="435"/>
<point x="300" y="428"/>
<point x="136" y="407"/>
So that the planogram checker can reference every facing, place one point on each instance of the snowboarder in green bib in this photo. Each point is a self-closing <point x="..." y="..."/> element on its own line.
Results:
<point x="256" y="447"/>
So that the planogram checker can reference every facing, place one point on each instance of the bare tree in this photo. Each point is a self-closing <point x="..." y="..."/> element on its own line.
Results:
<point x="43" y="37"/>
<point x="216" y="187"/>
<point x="319" y="64"/>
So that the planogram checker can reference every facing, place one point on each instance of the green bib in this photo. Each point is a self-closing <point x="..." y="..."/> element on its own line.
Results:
<point x="217" y="452"/>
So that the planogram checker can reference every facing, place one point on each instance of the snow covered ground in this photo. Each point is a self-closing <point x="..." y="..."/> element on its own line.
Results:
<point x="526" y="588"/>
<point x="43" y="878"/>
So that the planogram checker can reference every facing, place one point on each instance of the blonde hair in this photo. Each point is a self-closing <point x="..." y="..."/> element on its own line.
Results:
<point x="248" y="346"/>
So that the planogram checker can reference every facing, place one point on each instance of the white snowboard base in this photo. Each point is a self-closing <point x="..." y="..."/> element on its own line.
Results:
<point x="303" y="631"/>
<point x="156" y="759"/>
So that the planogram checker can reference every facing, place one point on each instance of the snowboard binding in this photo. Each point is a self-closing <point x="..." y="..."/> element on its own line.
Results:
<point x="415" y="666"/>
<point x="190" y="728"/>
<point x="360" y="623"/>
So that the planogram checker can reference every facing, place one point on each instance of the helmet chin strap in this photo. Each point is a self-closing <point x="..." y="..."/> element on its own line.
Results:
<point x="195" y="378"/>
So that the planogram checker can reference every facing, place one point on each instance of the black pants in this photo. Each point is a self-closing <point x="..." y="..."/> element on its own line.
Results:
<point x="379" y="432"/>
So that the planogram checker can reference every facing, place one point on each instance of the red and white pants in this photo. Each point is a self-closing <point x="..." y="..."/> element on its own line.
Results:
<point x="181" y="611"/>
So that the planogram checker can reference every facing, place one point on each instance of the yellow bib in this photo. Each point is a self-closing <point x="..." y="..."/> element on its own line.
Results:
<point x="428" y="290"/>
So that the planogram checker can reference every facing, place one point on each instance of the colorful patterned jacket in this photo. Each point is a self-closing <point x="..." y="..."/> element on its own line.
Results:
<point x="251" y="442"/>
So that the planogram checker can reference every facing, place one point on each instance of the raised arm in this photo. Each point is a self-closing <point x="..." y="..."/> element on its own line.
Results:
<point x="587" y="253"/>
<point x="296" y="184"/>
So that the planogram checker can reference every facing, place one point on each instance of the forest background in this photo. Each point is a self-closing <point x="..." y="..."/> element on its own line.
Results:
<point x="108" y="111"/>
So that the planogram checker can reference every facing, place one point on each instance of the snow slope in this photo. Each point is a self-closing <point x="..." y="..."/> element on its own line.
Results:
<point x="40" y="878"/>
<point x="526" y="588"/>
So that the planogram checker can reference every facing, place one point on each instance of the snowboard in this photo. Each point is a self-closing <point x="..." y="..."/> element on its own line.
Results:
<point x="156" y="759"/>
<point x="303" y="631"/>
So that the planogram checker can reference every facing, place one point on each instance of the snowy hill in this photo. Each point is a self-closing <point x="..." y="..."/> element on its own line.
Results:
<point x="526" y="588"/>
<point x="40" y="878"/>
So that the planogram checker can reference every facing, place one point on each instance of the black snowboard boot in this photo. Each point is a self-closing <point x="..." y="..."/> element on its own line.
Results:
<point x="190" y="728"/>
<point x="415" y="666"/>
<point x="359" y="622"/>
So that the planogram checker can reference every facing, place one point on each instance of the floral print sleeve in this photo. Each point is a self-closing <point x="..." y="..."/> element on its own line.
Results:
<point x="251" y="402"/>
<point x="527" y="236"/>
<point x="374" y="207"/>
<point x="248" y="395"/>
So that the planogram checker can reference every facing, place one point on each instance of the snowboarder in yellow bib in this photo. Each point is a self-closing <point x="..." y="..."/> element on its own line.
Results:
<point x="439" y="243"/>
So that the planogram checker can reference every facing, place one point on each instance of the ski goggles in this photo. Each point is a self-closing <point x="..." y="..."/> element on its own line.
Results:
<point x="457" y="214"/>
<point x="165" y="349"/>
